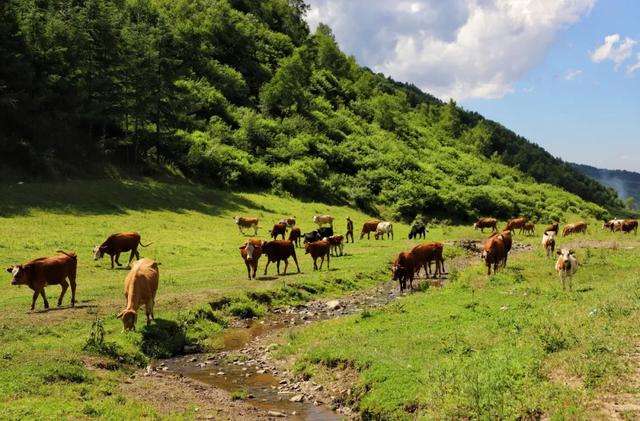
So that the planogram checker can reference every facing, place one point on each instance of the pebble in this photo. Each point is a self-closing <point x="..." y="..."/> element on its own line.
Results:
<point x="297" y="398"/>
<point x="276" y="414"/>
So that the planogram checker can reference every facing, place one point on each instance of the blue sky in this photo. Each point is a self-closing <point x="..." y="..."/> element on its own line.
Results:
<point x="540" y="67"/>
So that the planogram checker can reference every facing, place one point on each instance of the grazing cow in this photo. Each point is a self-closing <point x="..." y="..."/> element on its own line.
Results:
<point x="312" y="236"/>
<point x="403" y="269"/>
<point x="323" y="219"/>
<point x="243" y="222"/>
<point x="251" y="251"/>
<point x="39" y="273"/>
<point x="368" y="228"/>
<point x="418" y="230"/>
<point x="278" y="229"/>
<point x="426" y="253"/>
<point x="278" y="250"/>
<point x="549" y="242"/>
<point x="325" y="232"/>
<point x="318" y="249"/>
<point x="384" y="228"/>
<point x="555" y="227"/>
<point x="575" y="228"/>
<point x="530" y="228"/>
<point x="613" y="225"/>
<point x="483" y="223"/>
<point x="289" y="222"/>
<point x="337" y="244"/>
<point x="629" y="225"/>
<point x="493" y="253"/>
<point x="294" y="236"/>
<point x="516" y="223"/>
<point x="349" y="230"/>
<point x="567" y="265"/>
<point x="140" y="287"/>
<point x="119" y="243"/>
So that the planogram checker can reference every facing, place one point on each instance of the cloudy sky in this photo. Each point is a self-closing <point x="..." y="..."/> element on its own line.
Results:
<point x="563" y="73"/>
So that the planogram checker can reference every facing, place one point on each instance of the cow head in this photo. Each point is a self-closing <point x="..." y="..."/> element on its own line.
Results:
<point x="236" y="219"/>
<point x="475" y="225"/>
<point x="98" y="252"/>
<point x="18" y="275"/>
<point x="129" y="318"/>
<point x="249" y="249"/>
<point x="565" y="258"/>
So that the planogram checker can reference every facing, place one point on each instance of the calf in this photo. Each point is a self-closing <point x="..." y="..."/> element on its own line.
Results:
<point x="250" y="253"/>
<point x="516" y="223"/>
<point x="119" y="243"/>
<point x="318" y="249"/>
<point x="337" y="244"/>
<point x="368" y="228"/>
<point x="530" y="228"/>
<point x="493" y="253"/>
<point x="549" y="242"/>
<point x="289" y="222"/>
<point x="323" y="219"/>
<point x="243" y="222"/>
<point x="629" y="225"/>
<point x="278" y="229"/>
<point x="566" y="266"/>
<point x="426" y="253"/>
<point x="278" y="250"/>
<point x="140" y="287"/>
<point x="483" y="223"/>
<point x="418" y="230"/>
<point x="39" y="273"/>
<point x="403" y="269"/>
<point x="294" y="236"/>
<point x="575" y="228"/>
<point x="384" y="228"/>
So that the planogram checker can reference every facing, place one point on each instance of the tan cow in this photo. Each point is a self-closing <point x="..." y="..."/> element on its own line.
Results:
<point x="243" y="223"/>
<point x="140" y="287"/>
<point x="323" y="219"/>
<point x="516" y="223"/>
<point x="483" y="223"/>
<point x="574" y="228"/>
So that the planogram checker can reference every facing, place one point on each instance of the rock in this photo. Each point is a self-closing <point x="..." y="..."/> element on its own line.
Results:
<point x="297" y="398"/>
<point x="276" y="414"/>
<point x="317" y="388"/>
<point x="193" y="360"/>
<point x="333" y="304"/>
<point x="283" y="381"/>
<point x="220" y="373"/>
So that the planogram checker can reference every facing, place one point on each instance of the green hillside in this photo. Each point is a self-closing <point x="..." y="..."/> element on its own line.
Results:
<point x="236" y="93"/>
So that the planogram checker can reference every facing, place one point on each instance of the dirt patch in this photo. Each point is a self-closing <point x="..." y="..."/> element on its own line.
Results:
<point x="625" y="404"/>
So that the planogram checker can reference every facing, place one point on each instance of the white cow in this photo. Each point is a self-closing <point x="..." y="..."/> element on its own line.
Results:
<point x="323" y="219"/>
<point x="384" y="228"/>
<point x="549" y="242"/>
<point x="566" y="266"/>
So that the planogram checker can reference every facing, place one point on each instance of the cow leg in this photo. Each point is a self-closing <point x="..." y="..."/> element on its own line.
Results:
<point x="286" y="265"/>
<point x="149" y="311"/>
<point x="133" y="253"/>
<point x="118" y="258"/>
<point x="278" y="266"/>
<point x="33" y="300"/>
<point x="248" y="269"/>
<point x="266" y="266"/>
<point x="570" y="282"/>
<point x="111" y="260"/>
<point x="255" y="268"/>
<point x="44" y="297"/>
<point x="64" y="284"/>
<point x="321" y="262"/>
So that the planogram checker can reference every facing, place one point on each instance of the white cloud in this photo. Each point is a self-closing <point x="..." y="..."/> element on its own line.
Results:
<point x="631" y="69"/>
<point x="610" y="50"/>
<point x="572" y="74"/>
<point x="455" y="48"/>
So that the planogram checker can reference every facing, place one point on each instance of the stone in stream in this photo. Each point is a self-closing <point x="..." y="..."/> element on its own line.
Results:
<point x="276" y="414"/>
<point x="297" y="398"/>
<point x="333" y="304"/>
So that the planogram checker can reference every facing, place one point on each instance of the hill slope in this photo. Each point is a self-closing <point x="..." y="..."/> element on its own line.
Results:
<point x="626" y="183"/>
<point x="238" y="93"/>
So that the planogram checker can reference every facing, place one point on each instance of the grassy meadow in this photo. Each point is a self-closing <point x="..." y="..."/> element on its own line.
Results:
<point x="415" y="355"/>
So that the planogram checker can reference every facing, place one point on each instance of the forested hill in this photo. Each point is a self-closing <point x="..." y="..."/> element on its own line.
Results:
<point x="239" y="93"/>
<point x="626" y="183"/>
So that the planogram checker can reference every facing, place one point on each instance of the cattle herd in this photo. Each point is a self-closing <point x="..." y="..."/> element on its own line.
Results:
<point x="141" y="283"/>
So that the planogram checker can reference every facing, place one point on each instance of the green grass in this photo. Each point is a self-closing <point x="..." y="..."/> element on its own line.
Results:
<point x="46" y="367"/>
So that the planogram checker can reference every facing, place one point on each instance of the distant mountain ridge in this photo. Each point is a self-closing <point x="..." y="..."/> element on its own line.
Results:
<point x="626" y="183"/>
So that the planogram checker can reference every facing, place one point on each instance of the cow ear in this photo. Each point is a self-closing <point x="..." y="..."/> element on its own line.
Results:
<point x="10" y="269"/>
<point x="558" y="252"/>
<point x="571" y="252"/>
<point x="242" y="247"/>
<point x="121" y="314"/>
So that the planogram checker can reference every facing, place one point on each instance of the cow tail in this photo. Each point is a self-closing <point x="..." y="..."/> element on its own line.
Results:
<point x="146" y="245"/>
<point x="68" y="254"/>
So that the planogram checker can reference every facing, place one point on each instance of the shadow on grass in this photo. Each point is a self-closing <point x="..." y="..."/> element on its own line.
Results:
<point x="163" y="339"/>
<point x="99" y="197"/>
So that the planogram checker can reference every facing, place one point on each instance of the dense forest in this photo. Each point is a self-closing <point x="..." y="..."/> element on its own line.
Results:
<point x="626" y="183"/>
<point x="239" y="93"/>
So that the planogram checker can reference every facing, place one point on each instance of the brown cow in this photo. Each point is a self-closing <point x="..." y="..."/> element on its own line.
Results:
<point x="243" y="222"/>
<point x="483" y="223"/>
<point x="119" y="243"/>
<point x="555" y="227"/>
<point x="39" y="273"/>
<point x="516" y="223"/>
<point x="493" y="253"/>
<point x="337" y="244"/>
<point x="251" y="251"/>
<point x="575" y="228"/>
<point x="369" y="227"/>
<point x="278" y="250"/>
<point x="295" y="235"/>
<point x="318" y="249"/>
<point x="403" y="269"/>
<point x="508" y="242"/>
<point x="289" y="222"/>
<point x="613" y="225"/>
<point x="629" y="225"/>
<point x="140" y="287"/>
<point x="426" y="253"/>
<point x="530" y="228"/>
<point x="278" y="229"/>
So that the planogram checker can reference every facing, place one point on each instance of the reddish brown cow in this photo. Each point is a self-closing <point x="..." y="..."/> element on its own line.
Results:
<point x="290" y="222"/>
<point x="483" y="223"/>
<point x="369" y="227"/>
<point x="318" y="249"/>
<point x="516" y="223"/>
<point x="278" y="250"/>
<point x="403" y="269"/>
<point x="493" y="253"/>
<point x="251" y="251"/>
<point x="426" y="253"/>
<point x="243" y="222"/>
<point x="629" y="225"/>
<point x="278" y="229"/>
<point x="555" y="227"/>
<point x="337" y="244"/>
<point x="45" y="271"/>
<point x="295" y="235"/>
<point x="575" y="228"/>
<point x="119" y="243"/>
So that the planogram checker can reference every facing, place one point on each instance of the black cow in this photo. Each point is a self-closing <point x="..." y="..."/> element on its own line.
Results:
<point x="312" y="236"/>
<point x="325" y="232"/>
<point x="418" y="230"/>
